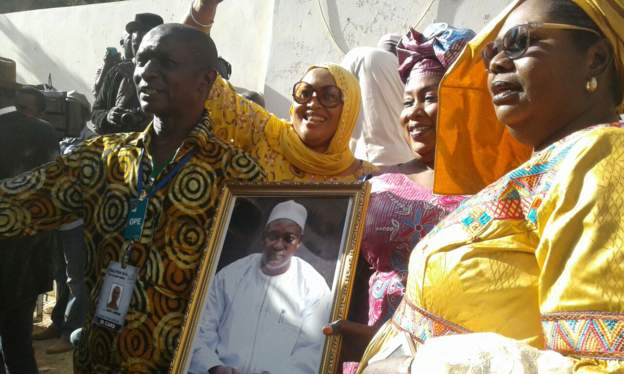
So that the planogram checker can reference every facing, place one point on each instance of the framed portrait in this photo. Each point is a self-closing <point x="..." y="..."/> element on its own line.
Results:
<point x="280" y="266"/>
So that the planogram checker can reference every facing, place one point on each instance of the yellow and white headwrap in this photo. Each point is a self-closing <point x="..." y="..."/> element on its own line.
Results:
<point x="474" y="149"/>
<point x="338" y="157"/>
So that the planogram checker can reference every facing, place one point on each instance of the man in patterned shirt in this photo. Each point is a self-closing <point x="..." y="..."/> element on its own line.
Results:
<point x="148" y="201"/>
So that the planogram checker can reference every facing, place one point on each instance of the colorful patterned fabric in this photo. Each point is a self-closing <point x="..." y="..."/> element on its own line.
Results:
<point x="547" y="238"/>
<point x="95" y="183"/>
<point x="385" y="292"/>
<point x="597" y="335"/>
<point x="264" y="136"/>
<point x="400" y="213"/>
<point x="422" y="325"/>
<point x="431" y="52"/>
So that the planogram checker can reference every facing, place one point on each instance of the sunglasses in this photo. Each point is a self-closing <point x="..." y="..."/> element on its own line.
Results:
<point x="517" y="39"/>
<point x="329" y="96"/>
<point x="288" y="238"/>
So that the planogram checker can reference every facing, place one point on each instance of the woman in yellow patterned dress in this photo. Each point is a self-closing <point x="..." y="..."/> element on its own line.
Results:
<point x="314" y="144"/>
<point x="525" y="276"/>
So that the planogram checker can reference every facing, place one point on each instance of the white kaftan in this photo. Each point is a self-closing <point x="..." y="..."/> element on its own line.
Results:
<point x="263" y="324"/>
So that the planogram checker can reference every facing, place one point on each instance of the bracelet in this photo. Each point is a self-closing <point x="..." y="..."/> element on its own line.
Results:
<point x="205" y="26"/>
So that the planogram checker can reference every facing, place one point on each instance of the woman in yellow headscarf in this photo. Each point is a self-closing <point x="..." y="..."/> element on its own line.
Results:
<point x="527" y="275"/>
<point x="314" y="144"/>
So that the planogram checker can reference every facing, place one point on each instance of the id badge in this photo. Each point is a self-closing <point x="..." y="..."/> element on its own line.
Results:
<point x="115" y="296"/>
<point x="136" y="219"/>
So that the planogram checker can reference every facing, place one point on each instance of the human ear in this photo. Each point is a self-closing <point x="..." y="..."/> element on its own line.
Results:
<point x="599" y="58"/>
<point x="206" y="80"/>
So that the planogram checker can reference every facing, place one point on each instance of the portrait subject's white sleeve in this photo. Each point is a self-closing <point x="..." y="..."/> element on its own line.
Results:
<point x="308" y="350"/>
<point x="204" y="354"/>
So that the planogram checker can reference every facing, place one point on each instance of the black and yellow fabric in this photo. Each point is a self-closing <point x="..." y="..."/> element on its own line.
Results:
<point x="95" y="183"/>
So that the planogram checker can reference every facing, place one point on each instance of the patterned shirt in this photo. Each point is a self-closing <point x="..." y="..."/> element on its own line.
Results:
<point x="95" y="182"/>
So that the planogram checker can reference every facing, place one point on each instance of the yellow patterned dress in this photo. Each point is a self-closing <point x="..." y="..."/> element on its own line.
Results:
<point x="95" y="183"/>
<point x="537" y="256"/>
<point x="264" y="136"/>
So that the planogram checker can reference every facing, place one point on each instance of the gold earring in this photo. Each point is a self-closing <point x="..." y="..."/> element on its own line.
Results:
<point x="592" y="85"/>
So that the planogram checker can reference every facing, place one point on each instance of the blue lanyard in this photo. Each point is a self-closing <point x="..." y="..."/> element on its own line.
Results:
<point x="162" y="182"/>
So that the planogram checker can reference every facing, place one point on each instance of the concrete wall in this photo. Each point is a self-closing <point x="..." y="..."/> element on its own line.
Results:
<point x="268" y="42"/>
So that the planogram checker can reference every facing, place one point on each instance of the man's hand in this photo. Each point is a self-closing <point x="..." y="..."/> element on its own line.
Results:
<point x="114" y="115"/>
<point x="223" y="370"/>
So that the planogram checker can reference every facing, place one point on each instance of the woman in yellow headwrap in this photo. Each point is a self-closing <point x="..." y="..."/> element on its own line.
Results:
<point x="314" y="144"/>
<point x="527" y="275"/>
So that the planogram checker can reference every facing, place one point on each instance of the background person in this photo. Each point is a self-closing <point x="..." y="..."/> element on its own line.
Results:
<point x="388" y="42"/>
<point x="116" y="106"/>
<point x="289" y="299"/>
<point x="402" y="208"/>
<point x="25" y="269"/>
<point x="377" y="136"/>
<point x="530" y="258"/>
<point x="111" y="58"/>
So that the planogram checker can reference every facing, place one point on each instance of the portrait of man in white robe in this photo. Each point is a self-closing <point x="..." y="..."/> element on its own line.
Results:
<point x="264" y="313"/>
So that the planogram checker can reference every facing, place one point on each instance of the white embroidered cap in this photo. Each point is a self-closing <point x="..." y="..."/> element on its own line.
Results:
<point x="290" y="210"/>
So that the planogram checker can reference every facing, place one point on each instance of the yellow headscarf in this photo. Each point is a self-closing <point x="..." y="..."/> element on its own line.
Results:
<point x="473" y="149"/>
<point x="338" y="157"/>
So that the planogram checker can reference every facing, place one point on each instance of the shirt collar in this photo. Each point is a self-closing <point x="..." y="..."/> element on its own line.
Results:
<point x="199" y="136"/>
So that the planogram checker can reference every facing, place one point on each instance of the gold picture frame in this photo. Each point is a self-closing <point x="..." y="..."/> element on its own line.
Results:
<point x="347" y="199"/>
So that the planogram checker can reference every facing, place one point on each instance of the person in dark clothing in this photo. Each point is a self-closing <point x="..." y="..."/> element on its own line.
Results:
<point x="25" y="270"/>
<point x="111" y="58"/>
<point x="116" y="107"/>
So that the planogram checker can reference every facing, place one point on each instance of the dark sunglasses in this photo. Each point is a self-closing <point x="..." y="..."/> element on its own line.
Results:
<point x="517" y="39"/>
<point x="329" y="96"/>
<point x="288" y="238"/>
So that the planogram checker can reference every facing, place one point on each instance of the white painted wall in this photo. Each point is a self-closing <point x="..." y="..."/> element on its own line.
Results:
<point x="70" y="42"/>
<point x="301" y="37"/>
<point x="268" y="42"/>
